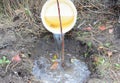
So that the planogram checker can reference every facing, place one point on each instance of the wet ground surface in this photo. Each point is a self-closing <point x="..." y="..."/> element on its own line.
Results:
<point x="38" y="52"/>
<point x="35" y="66"/>
<point x="75" y="71"/>
<point x="36" y="48"/>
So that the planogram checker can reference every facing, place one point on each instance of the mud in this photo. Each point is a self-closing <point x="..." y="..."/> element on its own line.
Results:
<point x="33" y="48"/>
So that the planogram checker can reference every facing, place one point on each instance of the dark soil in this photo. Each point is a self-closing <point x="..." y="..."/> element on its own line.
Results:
<point x="13" y="42"/>
<point x="33" y="47"/>
<point x="31" y="41"/>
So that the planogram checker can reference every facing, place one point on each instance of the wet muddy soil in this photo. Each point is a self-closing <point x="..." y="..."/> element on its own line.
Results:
<point x="36" y="54"/>
<point x="75" y="66"/>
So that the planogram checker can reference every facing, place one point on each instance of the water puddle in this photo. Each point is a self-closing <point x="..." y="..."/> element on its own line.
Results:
<point x="76" y="71"/>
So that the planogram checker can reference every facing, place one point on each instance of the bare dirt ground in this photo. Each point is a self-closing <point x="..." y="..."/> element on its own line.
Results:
<point x="98" y="47"/>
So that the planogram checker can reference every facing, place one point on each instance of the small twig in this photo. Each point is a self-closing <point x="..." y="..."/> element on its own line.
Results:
<point x="14" y="65"/>
<point x="97" y="41"/>
<point x="92" y="37"/>
<point x="7" y="67"/>
<point x="81" y="24"/>
<point x="115" y="76"/>
<point x="98" y="12"/>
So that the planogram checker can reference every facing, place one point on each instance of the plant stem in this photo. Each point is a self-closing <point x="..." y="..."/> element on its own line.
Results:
<point x="62" y="35"/>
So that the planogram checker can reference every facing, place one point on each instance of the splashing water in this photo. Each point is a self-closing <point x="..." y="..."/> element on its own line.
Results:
<point x="59" y="42"/>
<point x="75" y="72"/>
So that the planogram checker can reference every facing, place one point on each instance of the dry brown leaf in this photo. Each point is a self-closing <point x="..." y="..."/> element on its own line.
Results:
<point x="16" y="58"/>
<point x="95" y="59"/>
<point x="18" y="11"/>
<point x="109" y="53"/>
<point x="87" y="28"/>
<point x="102" y="28"/>
<point x="100" y="48"/>
<point x="54" y="65"/>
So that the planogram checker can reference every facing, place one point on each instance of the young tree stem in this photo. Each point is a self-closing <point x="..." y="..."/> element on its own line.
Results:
<point x="61" y="30"/>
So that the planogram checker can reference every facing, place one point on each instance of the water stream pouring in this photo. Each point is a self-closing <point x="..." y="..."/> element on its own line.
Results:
<point x="59" y="17"/>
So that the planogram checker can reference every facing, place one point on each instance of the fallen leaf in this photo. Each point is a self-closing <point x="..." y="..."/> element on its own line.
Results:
<point x="102" y="28"/>
<point x="54" y="65"/>
<point x="87" y="29"/>
<point x="100" y="48"/>
<point x="23" y="55"/>
<point x="110" y="31"/>
<point x="95" y="59"/>
<point x="18" y="11"/>
<point x="16" y="58"/>
<point x="109" y="53"/>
